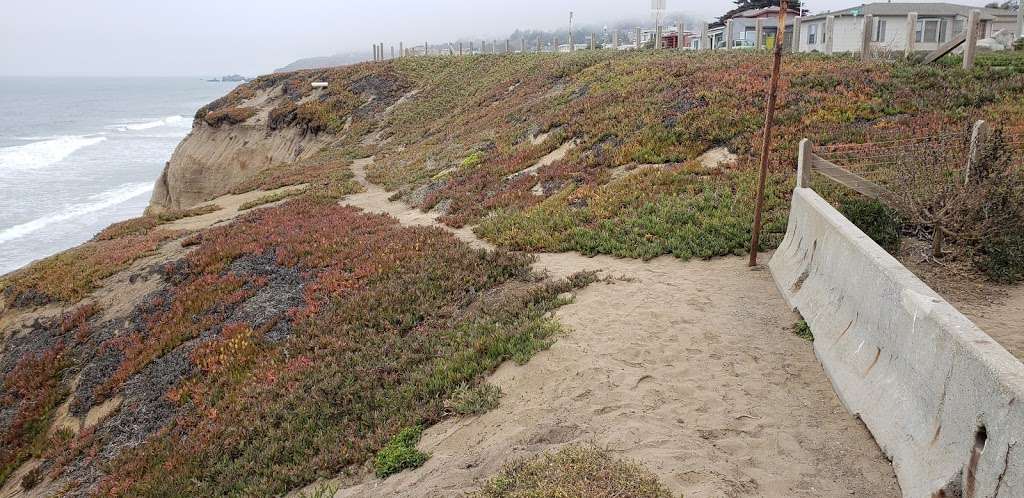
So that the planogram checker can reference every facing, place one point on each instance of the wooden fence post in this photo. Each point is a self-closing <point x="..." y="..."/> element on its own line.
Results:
<point x="1020" y="20"/>
<point x="615" y="39"/>
<point x="593" y="42"/>
<point x="911" y="35"/>
<point x="759" y="33"/>
<point x="729" y="36"/>
<point x="522" y="41"/>
<point x="679" y="36"/>
<point x="979" y="134"/>
<point x="830" y="25"/>
<point x="795" y="42"/>
<point x="803" y="164"/>
<point x="971" y="44"/>
<point x="866" y="37"/>
<point x="401" y="49"/>
<point x="636" y="38"/>
<point x="703" y="42"/>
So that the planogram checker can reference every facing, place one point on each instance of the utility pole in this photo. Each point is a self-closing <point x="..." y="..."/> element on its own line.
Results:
<point x="769" y="119"/>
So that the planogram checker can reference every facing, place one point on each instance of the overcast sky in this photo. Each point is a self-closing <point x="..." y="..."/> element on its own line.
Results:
<point x="215" y="37"/>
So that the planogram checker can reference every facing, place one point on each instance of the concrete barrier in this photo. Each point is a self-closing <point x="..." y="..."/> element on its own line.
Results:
<point x="943" y="400"/>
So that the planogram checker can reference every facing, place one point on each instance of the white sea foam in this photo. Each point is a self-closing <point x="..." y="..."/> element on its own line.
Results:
<point x="45" y="153"/>
<point x="98" y="202"/>
<point x="169" y="121"/>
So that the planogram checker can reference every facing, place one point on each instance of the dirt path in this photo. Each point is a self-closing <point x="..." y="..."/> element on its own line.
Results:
<point x="688" y="367"/>
<point x="1002" y="318"/>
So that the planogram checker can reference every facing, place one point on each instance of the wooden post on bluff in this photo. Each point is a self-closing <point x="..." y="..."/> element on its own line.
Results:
<point x="615" y="39"/>
<point x="401" y="49"/>
<point x="830" y="27"/>
<point x="508" y="46"/>
<point x="636" y="38"/>
<point x="971" y="45"/>
<point x="979" y="134"/>
<point x="729" y="36"/>
<point x="911" y="35"/>
<point x="866" y="36"/>
<point x="703" y="42"/>
<point x="523" y="40"/>
<point x="766" y="141"/>
<point x="759" y="33"/>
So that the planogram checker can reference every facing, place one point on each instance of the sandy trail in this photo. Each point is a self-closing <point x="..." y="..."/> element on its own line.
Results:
<point x="1001" y="317"/>
<point x="688" y="367"/>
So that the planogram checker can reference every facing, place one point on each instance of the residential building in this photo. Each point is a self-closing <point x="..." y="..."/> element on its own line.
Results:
<point x="742" y="30"/>
<point x="937" y="23"/>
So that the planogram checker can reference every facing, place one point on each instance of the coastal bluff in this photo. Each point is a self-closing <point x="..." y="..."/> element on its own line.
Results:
<point x="229" y="144"/>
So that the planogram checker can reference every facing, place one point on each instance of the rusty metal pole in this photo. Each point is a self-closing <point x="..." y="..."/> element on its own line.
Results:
<point x="769" y="120"/>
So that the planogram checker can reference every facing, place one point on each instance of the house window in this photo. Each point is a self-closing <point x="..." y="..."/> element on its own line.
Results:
<point x="879" y="30"/>
<point x="959" y="26"/>
<point x="812" y="34"/>
<point x="932" y="30"/>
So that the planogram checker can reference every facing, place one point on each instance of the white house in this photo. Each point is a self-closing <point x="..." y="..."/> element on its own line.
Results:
<point x="740" y="30"/>
<point x="937" y="23"/>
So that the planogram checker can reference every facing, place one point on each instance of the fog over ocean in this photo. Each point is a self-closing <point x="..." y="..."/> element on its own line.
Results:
<point x="77" y="154"/>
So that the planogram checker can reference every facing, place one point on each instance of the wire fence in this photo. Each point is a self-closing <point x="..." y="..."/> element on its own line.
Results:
<point x="887" y="158"/>
<point x="963" y="182"/>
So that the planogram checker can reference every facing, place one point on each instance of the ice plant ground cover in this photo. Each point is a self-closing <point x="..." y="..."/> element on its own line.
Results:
<point x="388" y="323"/>
<point x="295" y="342"/>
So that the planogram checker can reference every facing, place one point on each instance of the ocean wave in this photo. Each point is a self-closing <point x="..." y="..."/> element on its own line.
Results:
<point x="45" y="153"/>
<point x="98" y="202"/>
<point x="173" y="121"/>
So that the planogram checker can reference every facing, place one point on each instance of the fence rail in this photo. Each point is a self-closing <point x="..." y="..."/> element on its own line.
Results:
<point x="869" y="168"/>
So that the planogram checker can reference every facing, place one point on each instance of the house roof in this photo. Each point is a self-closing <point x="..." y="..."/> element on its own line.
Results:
<point x="922" y="9"/>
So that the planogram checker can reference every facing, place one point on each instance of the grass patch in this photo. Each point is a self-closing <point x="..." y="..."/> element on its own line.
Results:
<point x="574" y="472"/>
<point x="400" y="453"/>
<point x="143" y="224"/>
<point x="680" y="212"/>
<point x="73" y="274"/>
<point x="269" y="198"/>
<point x="474" y="400"/>
<point x="802" y="330"/>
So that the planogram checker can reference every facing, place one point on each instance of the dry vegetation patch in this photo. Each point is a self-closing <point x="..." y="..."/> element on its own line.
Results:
<point x="574" y="472"/>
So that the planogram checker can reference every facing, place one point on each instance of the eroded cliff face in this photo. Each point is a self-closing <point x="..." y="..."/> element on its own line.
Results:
<point x="212" y="160"/>
<point x="229" y="146"/>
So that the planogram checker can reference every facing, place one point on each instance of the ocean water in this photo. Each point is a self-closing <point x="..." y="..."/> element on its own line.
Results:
<point x="77" y="154"/>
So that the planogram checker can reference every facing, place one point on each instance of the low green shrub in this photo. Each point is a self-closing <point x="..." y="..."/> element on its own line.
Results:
<point x="875" y="219"/>
<point x="400" y="453"/>
<point x="802" y="330"/>
<point x="1001" y="257"/>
